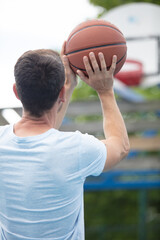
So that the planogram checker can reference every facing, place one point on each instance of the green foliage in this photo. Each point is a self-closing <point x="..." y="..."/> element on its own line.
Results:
<point x="151" y="93"/>
<point x="108" y="4"/>
<point x="83" y="92"/>
<point x="105" y="202"/>
<point x="114" y="215"/>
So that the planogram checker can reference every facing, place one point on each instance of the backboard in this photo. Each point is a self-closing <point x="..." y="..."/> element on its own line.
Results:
<point x="139" y="23"/>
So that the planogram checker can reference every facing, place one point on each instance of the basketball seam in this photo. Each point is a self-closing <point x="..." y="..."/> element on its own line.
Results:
<point x="107" y="66"/>
<point x="95" y="25"/>
<point x="106" y="45"/>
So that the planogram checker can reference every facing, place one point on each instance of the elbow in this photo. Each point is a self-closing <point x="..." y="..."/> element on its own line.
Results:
<point x="125" y="149"/>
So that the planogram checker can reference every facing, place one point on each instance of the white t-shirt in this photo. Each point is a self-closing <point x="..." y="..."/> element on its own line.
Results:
<point x="41" y="183"/>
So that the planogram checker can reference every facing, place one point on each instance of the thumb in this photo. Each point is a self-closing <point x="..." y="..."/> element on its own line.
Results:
<point x="63" y="49"/>
<point x="65" y="61"/>
<point x="82" y="76"/>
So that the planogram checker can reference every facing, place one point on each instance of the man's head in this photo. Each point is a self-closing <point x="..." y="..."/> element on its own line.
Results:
<point x="39" y="77"/>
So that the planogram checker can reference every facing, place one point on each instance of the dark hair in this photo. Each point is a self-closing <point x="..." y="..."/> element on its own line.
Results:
<point x="39" y="77"/>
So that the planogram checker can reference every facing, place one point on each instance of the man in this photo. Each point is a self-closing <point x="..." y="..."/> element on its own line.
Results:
<point x="42" y="170"/>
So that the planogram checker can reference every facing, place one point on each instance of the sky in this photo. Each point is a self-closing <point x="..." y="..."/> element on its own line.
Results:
<point x="33" y="24"/>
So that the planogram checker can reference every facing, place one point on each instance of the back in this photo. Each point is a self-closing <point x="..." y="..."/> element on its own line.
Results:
<point x="41" y="183"/>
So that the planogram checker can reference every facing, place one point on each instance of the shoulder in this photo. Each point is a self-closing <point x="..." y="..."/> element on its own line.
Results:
<point x="4" y="129"/>
<point x="84" y="140"/>
<point x="86" y="145"/>
<point x="90" y="143"/>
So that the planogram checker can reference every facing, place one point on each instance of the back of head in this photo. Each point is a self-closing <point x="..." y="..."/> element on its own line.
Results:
<point x="39" y="77"/>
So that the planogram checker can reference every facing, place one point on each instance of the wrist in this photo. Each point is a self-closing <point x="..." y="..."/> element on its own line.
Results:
<point x="71" y="83"/>
<point x="69" y="88"/>
<point x="104" y="93"/>
<point x="68" y="92"/>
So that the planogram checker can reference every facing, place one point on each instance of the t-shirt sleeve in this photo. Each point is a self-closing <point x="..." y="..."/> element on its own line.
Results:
<point x="92" y="156"/>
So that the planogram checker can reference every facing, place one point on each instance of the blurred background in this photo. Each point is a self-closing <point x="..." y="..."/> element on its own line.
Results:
<point x="123" y="203"/>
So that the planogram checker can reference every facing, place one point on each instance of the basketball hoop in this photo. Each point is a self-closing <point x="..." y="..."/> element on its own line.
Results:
<point x="131" y="74"/>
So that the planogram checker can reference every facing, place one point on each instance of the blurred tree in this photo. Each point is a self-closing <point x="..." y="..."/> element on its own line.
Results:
<point x="108" y="4"/>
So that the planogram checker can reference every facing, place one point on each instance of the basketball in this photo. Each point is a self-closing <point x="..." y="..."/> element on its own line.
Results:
<point x="95" y="36"/>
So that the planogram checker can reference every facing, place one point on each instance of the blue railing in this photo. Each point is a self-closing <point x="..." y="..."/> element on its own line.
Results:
<point x="128" y="179"/>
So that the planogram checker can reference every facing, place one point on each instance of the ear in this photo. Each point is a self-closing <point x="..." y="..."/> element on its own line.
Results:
<point x="15" y="91"/>
<point x="62" y="94"/>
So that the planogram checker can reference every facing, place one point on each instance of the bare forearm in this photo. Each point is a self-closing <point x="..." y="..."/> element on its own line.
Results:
<point x="113" y="120"/>
<point x="114" y="126"/>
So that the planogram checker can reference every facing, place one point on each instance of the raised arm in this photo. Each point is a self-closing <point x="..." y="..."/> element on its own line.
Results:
<point x="116" y="138"/>
<point x="70" y="84"/>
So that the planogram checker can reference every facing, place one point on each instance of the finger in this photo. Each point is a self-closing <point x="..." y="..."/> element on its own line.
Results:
<point x="66" y="64"/>
<point x="65" y="61"/>
<point x="63" y="49"/>
<point x="87" y="66"/>
<point x="94" y="62"/>
<point x="113" y="65"/>
<point x="102" y="62"/>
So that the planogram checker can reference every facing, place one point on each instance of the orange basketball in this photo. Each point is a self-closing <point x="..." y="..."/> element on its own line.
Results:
<point x="96" y="36"/>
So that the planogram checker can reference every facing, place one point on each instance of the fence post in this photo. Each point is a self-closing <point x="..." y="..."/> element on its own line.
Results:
<point x="142" y="234"/>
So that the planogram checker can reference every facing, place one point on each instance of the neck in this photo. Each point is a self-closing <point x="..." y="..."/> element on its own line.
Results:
<point x="30" y="125"/>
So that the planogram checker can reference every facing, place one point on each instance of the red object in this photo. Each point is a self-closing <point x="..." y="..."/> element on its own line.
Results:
<point x="131" y="77"/>
<point x="95" y="36"/>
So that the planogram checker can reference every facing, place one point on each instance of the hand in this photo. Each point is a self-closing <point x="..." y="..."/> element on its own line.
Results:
<point x="70" y="76"/>
<point x="98" y="77"/>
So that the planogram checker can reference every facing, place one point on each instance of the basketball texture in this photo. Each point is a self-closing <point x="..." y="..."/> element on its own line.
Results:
<point x="95" y="36"/>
